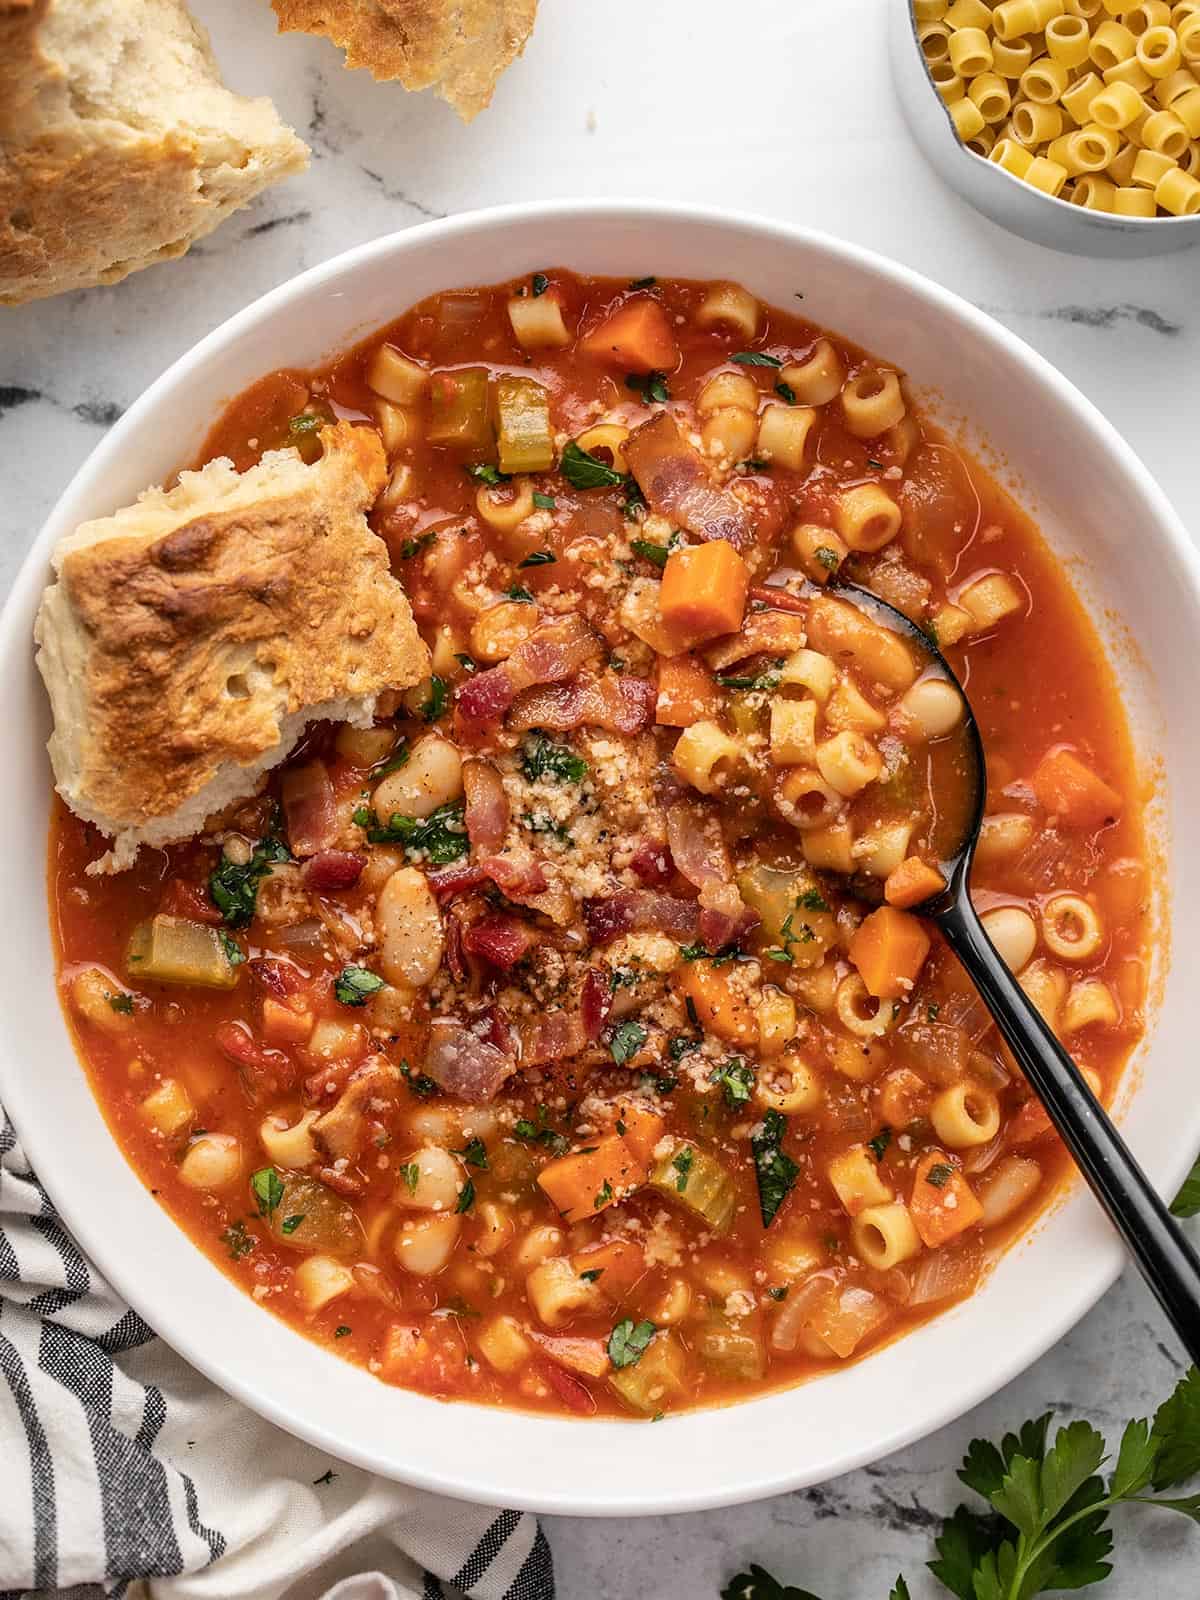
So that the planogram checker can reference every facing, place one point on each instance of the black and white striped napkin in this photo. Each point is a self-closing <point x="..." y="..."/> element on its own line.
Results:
<point x="123" y="1472"/>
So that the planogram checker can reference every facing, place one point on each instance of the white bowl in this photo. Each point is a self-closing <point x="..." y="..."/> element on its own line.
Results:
<point x="1098" y="505"/>
<point x="1002" y="196"/>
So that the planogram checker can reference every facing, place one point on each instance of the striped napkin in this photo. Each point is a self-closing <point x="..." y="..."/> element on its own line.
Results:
<point x="123" y="1472"/>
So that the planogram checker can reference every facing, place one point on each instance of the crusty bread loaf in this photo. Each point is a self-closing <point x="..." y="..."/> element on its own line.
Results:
<point x="190" y="638"/>
<point x="119" y="145"/>
<point x="458" y="47"/>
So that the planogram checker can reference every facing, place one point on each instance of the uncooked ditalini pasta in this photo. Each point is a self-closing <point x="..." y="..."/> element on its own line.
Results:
<point x="1092" y="101"/>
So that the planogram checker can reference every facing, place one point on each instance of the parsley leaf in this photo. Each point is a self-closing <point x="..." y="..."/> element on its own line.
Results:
<point x="775" y="1171"/>
<point x="786" y="393"/>
<point x="234" y="887"/>
<point x="290" y="1224"/>
<point x="627" y="1039"/>
<point x="1177" y="1428"/>
<point x="410" y="1173"/>
<point x="267" y="1188"/>
<point x="652" y="386"/>
<point x="736" y="1080"/>
<point x="413" y="547"/>
<point x="878" y="1145"/>
<point x="353" y="984"/>
<point x="304" y="423"/>
<point x="539" y="284"/>
<point x="603" y="1195"/>
<point x="656" y="553"/>
<point x="441" y="835"/>
<point x="485" y="473"/>
<point x="123" y="1003"/>
<point x="542" y="758"/>
<point x="757" y="1584"/>
<point x="439" y="696"/>
<point x="755" y="358"/>
<point x="1187" y="1201"/>
<point x="474" y="1153"/>
<point x="518" y="591"/>
<point x="584" y="471"/>
<point x="341" y="1331"/>
<point x="237" y="1241"/>
<point x="812" y="900"/>
<point x="758" y="680"/>
<point x="544" y="502"/>
<point x="234" y="954"/>
<point x="939" y="1175"/>
<point x="466" y="1197"/>
<point x="629" y="1341"/>
<point x="418" y="1082"/>
<point x="682" y="1163"/>
<point x="539" y="558"/>
<point x="828" y="558"/>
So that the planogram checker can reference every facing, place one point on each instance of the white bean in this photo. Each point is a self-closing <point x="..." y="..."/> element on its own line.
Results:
<point x="424" y="1247"/>
<point x="409" y="928"/>
<point x="213" y="1161"/>
<point x="932" y="708"/>
<point x="430" y="1180"/>
<point x="1014" y="933"/>
<point x="1005" y="1189"/>
<point x="431" y="777"/>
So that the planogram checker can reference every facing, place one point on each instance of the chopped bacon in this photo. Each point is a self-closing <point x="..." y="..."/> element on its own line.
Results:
<point x="585" y="1356"/>
<point x="554" y="1036"/>
<point x="724" y="918"/>
<point x="779" y="598"/>
<point x="190" y="900"/>
<point x="308" y="806"/>
<point x="499" y="939"/>
<point x="235" y="1040"/>
<point x="552" y="653"/>
<point x="487" y="810"/>
<point x="515" y="876"/>
<point x="616" y="704"/>
<point x="342" y="1181"/>
<point x="333" y="869"/>
<point x="652" y="863"/>
<point x="278" y="978"/>
<point x="459" y="916"/>
<point x="573" y="1394"/>
<point x="636" y="910"/>
<point x="775" y="633"/>
<point x="699" y="851"/>
<point x="466" y="1061"/>
<point x="595" y="1002"/>
<point x="677" y="484"/>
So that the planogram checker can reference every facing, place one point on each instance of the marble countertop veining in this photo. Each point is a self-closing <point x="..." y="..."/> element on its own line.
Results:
<point x="787" y="111"/>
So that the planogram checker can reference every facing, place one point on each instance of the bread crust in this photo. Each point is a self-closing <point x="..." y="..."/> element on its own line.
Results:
<point x="190" y="638"/>
<point x="458" y="47"/>
<point x="119" y="145"/>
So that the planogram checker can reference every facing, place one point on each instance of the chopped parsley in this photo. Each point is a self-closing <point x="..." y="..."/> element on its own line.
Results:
<point x="304" y="423"/>
<point x="755" y="463"/>
<point x="652" y="386"/>
<point x="680" y="1045"/>
<point x="758" y="680"/>
<point x="775" y="1171"/>
<point x="413" y="547"/>
<point x="544" y="502"/>
<point x="878" y="465"/>
<point x="234" y="888"/>
<point x="539" y="822"/>
<point x="542" y="758"/>
<point x="237" y="1241"/>
<point x="812" y="900"/>
<point x="466" y="662"/>
<point x="584" y="471"/>
<point x="418" y="1082"/>
<point x="786" y="393"/>
<point x="123" y="1003"/>
<point x="736" y="1080"/>
<point x="664" y="1082"/>
<point x="484" y="472"/>
<point x="539" y="558"/>
<point x="398" y="758"/>
<point x="1187" y="1202"/>
<point x="627" y="1039"/>
<point x="441" y="835"/>
<point x="466" y="1197"/>
<point x="939" y="1176"/>
<point x="439" y="696"/>
<point x="540" y="1132"/>
<point x="629" y="1341"/>
<point x="539" y="283"/>
<point x="353" y="984"/>
<point x="779" y="1293"/>
<point x="656" y="553"/>
<point x="682" y="1164"/>
<point x="755" y="358"/>
<point x="592" y="1275"/>
<point x="410" y="1174"/>
<point x="932" y="1012"/>
<point x="603" y="1195"/>
<point x="474" y="1153"/>
<point x="518" y="591"/>
<point x="879" y="1144"/>
<point x="341" y="1331"/>
<point x="267" y="1189"/>
<point x="290" y="1224"/>
<point x="828" y="558"/>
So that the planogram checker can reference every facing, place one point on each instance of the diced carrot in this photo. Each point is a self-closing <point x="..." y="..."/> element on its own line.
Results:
<point x="619" y="1264"/>
<point x="586" y="1356"/>
<point x="1031" y="1122"/>
<point x="281" y="1024"/>
<point x="703" y="593"/>
<point x="902" y="1097"/>
<point x="1071" y="791"/>
<point x="943" y="1203"/>
<point x="640" y="1127"/>
<point x="637" y="337"/>
<point x="889" y="949"/>
<point x="912" y="881"/>
<point x="586" y="1181"/>
<point x="686" y="692"/>
<point x="719" y="1008"/>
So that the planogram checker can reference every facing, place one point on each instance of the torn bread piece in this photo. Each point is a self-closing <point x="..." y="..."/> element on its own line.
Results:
<point x="458" y="47"/>
<point x="190" y="638"/>
<point x="119" y="144"/>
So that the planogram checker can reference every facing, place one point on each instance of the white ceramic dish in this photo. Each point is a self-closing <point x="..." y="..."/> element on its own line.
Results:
<point x="1100" y="508"/>
<point x="998" y="194"/>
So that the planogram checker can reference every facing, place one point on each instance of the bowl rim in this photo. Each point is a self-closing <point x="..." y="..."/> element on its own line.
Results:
<point x="129" y="1277"/>
<point x="1100" y="219"/>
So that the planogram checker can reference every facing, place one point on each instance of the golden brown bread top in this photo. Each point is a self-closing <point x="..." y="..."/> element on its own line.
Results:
<point x="195" y="655"/>
<point x="458" y="46"/>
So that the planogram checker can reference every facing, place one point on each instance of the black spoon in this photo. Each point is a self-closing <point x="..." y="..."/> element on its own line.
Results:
<point x="1166" y="1260"/>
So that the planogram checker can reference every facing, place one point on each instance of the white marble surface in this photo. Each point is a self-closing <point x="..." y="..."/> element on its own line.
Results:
<point x="790" y="113"/>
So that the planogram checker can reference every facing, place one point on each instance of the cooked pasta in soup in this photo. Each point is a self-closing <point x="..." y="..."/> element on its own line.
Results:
<point x="568" y="1039"/>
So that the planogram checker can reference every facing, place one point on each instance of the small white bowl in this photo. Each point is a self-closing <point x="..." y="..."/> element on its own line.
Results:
<point x="1101" y="510"/>
<point x="1000" y="195"/>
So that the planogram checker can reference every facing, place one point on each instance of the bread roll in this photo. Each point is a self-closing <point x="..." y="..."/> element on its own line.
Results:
<point x="458" y="47"/>
<point x="119" y="145"/>
<point x="189" y="639"/>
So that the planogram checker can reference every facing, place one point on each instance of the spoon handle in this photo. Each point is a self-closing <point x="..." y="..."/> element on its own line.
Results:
<point x="1167" y="1261"/>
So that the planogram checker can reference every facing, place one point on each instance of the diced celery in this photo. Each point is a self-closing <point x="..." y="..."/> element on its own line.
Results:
<point x="699" y="1182"/>
<point x="174" y="950"/>
<point x="794" y="916"/>
<point x="729" y="1350"/>
<point x="458" y="409"/>
<point x="309" y="1216"/>
<point x="523" y="433"/>
<point x="657" y="1379"/>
